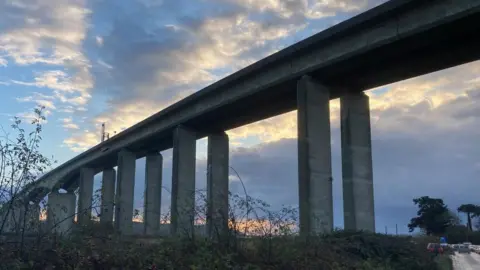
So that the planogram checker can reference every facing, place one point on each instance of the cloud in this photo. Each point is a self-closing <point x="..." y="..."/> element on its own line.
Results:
<point x="30" y="116"/>
<point x="48" y="33"/>
<point x="302" y="9"/>
<point x="99" y="40"/>
<point x="145" y="67"/>
<point x="67" y="123"/>
<point x="77" y="144"/>
<point x="40" y="99"/>
<point x="65" y="89"/>
<point x="394" y="107"/>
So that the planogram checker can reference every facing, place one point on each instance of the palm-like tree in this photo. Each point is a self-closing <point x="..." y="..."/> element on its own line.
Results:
<point x="472" y="211"/>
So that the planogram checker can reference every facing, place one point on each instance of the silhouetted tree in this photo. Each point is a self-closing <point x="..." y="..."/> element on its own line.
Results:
<point x="472" y="211"/>
<point x="433" y="216"/>
<point x="456" y="221"/>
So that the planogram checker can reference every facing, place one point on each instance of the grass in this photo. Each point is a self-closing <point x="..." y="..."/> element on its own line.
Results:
<point x="444" y="262"/>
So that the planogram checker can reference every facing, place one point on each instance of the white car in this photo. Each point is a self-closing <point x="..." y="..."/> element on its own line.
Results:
<point x="462" y="248"/>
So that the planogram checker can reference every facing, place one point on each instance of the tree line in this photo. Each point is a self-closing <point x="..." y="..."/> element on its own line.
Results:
<point x="434" y="218"/>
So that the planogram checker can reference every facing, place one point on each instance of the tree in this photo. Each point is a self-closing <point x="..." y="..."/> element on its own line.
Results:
<point x="456" y="221"/>
<point x="21" y="163"/>
<point x="433" y="216"/>
<point x="472" y="211"/>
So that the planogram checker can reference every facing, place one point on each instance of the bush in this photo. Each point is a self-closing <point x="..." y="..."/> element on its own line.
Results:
<point x="340" y="250"/>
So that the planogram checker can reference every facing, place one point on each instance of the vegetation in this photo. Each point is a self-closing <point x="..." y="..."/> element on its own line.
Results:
<point x="340" y="250"/>
<point x="261" y="238"/>
<point x="472" y="211"/>
<point x="444" y="263"/>
<point x="435" y="219"/>
<point x="433" y="216"/>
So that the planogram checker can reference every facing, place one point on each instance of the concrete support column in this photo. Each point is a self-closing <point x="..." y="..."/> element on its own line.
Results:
<point x="183" y="182"/>
<point x="314" y="157"/>
<point x="14" y="217"/>
<point x="153" y="193"/>
<point x="61" y="212"/>
<point x="125" y="191"/>
<point x="108" y="196"/>
<point x="32" y="222"/>
<point x="73" y="186"/>
<point x="85" y="196"/>
<point x="217" y="185"/>
<point x="358" y="202"/>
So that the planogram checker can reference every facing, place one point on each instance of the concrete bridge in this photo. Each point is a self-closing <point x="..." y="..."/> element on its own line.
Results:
<point x="394" y="41"/>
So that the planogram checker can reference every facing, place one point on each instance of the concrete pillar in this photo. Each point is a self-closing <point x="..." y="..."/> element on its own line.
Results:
<point x="108" y="196"/>
<point x="183" y="182"/>
<point x="73" y="186"/>
<point x="17" y="220"/>
<point x="217" y="185"/>
<point x="14" y="217"/>
<point x="61" y="212"/>
<point x="314" y="157"/>
<point x="85" y="196"/>
<point x="358" y="202"/>
<point x="153" y="193"/>
<point x="125" y="191"/>
<point x="32" y="223"/>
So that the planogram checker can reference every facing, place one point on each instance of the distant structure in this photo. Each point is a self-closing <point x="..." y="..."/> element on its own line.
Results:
<point x="105" y="135"/>
<point x="103" y="132"/>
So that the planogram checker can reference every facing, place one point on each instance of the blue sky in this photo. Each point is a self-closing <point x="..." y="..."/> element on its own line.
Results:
<point x="118" y="62"/>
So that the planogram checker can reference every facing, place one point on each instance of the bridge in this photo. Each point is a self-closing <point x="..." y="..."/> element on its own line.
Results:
<point x="397" y="40"/>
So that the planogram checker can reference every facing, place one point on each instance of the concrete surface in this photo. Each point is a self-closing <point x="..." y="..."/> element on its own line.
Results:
<point x="357" y="172"/>
<point x="108" y="195"/>
<point x="125" y="192"/>
<point x="61" y="212"/>
<point x="153" y="192"/>
<point x="432" y="34"/>
<point x="314" y="157"/>
<point x="85" y="195"/>
<point x="217" y="184"/>
<point x="466" y="261"/>
<point x="15" y="220"/>
<point x="183" y="181"/>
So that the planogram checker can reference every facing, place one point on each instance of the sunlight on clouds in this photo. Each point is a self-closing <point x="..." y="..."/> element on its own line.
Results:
<point x="220" y="42"/>
<point x="238" y="35"/>
<point x="67" y="123"/>
<point x="40" y="100"/>
<point x="312" y="9"/>
<point x="65" y="89"/>
<point x="49" y="33"/>
<point x="124" y="117"/>
<point x="279" y="127"/>
<point x="30" y="116"/>
<point x="83" y="142"/>
<point x="149" y="75"/>
<point x="436" y="89"/>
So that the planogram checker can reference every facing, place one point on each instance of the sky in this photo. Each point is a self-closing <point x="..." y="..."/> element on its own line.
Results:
<point x="117" y="62"/>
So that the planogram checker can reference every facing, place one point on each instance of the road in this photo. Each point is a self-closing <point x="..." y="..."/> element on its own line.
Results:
<point x="466" y="261"/>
